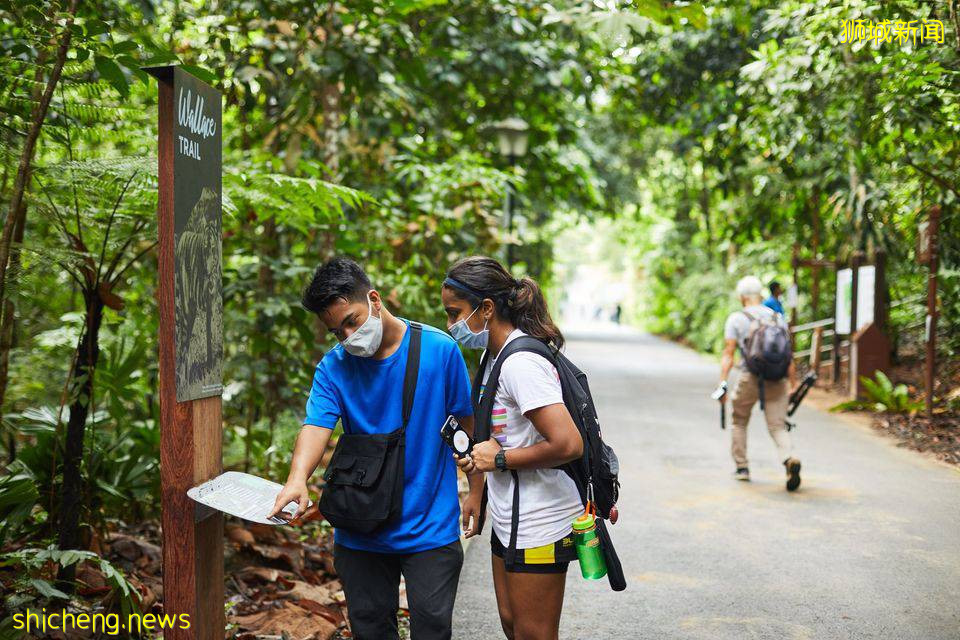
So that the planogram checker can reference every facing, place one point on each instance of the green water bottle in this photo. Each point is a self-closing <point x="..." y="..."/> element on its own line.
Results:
<point x="592" y="564"/>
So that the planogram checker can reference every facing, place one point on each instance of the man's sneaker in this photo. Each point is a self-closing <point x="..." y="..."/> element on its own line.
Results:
<point x="793" y="473"/>
<point x="742" y="474"/>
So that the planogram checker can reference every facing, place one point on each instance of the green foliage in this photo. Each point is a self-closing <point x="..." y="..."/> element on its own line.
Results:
<point x="882" y="395"/>
<point x="37" y="567"/>
<point x="761" y="133"/>
<point x="18" y="494"/>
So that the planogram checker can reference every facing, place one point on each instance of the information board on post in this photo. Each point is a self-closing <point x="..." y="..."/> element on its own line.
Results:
<point x="198" y="289"/>
<point x="866" y="286"/>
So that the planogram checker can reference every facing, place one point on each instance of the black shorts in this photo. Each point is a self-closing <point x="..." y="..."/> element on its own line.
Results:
<point x="550" y="558"/>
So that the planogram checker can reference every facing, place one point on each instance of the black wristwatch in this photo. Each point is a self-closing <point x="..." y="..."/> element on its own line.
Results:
<point x="500" y="460"/>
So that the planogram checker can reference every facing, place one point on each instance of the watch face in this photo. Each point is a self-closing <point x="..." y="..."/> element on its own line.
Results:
<point x="461" y="441"/>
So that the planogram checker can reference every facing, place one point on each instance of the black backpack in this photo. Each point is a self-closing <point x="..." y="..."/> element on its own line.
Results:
<point x="595" y="473"/>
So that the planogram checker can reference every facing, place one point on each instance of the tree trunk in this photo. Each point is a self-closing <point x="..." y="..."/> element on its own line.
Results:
<point x="7" y="323"/>
<point x="331" y="97"/>
<point x="267" y="326"/>
<point x="815" y="247"/>
<point x="7" y="320"/>
<point x="88" y="352"/>
<point x="705" y="207"/>
<point x="955" y="16"/>
<point x="37" y="117"/>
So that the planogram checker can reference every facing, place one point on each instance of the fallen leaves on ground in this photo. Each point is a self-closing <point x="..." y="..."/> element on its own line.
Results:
<point x="937" y="435"/>
<point x="290" y="620"/>
<point x="278" y="584"/>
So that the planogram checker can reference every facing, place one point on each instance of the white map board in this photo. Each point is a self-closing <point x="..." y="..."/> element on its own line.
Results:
<point x="241" y="495"/>
<point x="865" y="289"/>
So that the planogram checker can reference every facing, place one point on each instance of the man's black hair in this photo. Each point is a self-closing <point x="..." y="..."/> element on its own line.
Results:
<point x="339" y="277"/>
<point x="774" y="286"/>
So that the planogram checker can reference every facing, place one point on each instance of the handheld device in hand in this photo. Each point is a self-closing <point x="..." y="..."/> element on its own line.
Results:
<point x="720" y="391"/>
<point x="719" y="394"/>
<point x="456" y="437"/>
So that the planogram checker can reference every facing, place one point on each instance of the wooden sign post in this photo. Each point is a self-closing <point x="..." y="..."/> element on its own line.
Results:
<point x="869" y="353"/>
<point x="190" y="300"/>
<point x="927" y="254"/>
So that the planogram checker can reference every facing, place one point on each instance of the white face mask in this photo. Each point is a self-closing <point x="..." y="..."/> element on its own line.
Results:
<point x="365" y="341"/>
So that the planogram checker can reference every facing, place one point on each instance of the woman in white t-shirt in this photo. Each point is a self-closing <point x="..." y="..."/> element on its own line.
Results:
<point x="531" y="433"/>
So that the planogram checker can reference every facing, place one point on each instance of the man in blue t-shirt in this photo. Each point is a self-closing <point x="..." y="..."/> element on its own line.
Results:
<point x="773" y="302"/>
<point x="361" y="382"/>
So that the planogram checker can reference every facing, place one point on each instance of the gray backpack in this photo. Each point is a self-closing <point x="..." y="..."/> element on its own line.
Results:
<point x="767" y="351"/>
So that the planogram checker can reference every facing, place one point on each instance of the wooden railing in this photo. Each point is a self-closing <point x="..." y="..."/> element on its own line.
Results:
<point x="821" y="329"/>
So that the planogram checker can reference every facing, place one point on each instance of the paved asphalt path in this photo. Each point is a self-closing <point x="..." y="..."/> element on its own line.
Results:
<point x="869" y="547"/>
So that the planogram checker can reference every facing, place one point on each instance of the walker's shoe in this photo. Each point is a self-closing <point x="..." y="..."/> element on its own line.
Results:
<point x="793" y="473"/>
<point x="742" y="474"/>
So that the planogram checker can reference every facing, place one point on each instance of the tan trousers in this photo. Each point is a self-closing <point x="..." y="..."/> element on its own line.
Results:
<point x="776" y="397"/>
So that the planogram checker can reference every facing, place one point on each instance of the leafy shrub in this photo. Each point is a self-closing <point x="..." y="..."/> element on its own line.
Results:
<point x="882" y="395"/>
<point x="39" y="566"/>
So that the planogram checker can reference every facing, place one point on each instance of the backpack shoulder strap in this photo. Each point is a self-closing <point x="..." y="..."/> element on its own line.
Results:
<point x="484" y="405"/>
<point x="510" y="558"/>
<point x="412" y="372"/>
<point x="478" y="380"/>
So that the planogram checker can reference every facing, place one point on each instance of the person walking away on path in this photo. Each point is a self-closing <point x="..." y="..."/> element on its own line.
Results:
<point x="776" y="291"/>
<point x="361" y="383"/>
<point x="758" y="325"/>
<point x="532" y="433"/>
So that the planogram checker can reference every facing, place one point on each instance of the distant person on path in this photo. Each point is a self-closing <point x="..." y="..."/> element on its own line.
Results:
<point x="532" y="433"/>
<point x="744" y="329"/>
<point x="360" y="383"/>
<point x="774" y="300"/>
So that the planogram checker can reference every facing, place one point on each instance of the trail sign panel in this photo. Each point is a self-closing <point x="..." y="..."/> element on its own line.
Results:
<point x="198" y="290"/>
<point x="865" y="293"/>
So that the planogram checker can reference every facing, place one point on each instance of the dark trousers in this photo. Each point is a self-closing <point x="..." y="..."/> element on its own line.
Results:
<point x="371" y="584"/>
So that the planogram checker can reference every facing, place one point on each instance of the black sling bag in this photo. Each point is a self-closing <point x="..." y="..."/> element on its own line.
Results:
<point x="365" y="477"/>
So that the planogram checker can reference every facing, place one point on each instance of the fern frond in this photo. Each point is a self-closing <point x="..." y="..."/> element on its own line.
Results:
<point x="301" y="203"/>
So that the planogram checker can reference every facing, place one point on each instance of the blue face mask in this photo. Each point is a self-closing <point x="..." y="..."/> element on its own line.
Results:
<point x="466" y="336"/>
